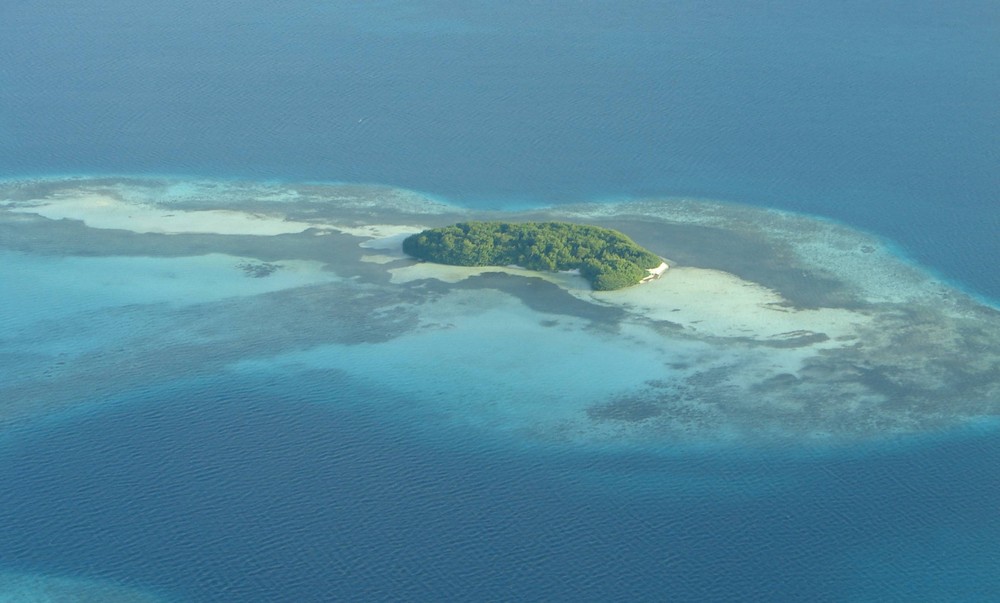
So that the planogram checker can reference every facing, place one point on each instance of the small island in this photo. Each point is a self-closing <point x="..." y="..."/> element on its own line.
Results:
<point x="608" y="259"/>
<point x="781" y="329"/>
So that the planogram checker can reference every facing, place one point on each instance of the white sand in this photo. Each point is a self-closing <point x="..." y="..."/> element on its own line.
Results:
<point x="105" y="212"/>
<point x="720" y="304"/>
<point x="704" y="302"/>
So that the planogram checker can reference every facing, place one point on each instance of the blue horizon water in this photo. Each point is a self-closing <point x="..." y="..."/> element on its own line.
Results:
<point x="306" y="486"/>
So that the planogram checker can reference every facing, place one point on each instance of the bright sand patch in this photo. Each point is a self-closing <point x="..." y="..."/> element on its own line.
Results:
<point x="720" y="304"/>
<point x="705" y="302"/>
<point x="105" y="212"/>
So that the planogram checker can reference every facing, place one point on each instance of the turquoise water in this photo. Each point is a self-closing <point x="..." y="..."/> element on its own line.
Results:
<point x="177" y="431"/>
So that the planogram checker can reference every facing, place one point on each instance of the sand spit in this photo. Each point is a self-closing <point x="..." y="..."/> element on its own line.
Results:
<point x="103" y="211"/>
<point x="106" y="212"/>
<point x="766" y="324"/>
<point x="169" y="206"/>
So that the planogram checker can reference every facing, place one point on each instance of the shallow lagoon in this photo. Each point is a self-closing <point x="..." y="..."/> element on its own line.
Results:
<point x="769" y="326"/>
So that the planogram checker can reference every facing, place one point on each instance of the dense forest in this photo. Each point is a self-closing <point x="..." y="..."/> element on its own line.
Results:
<point x="606" y="258"/>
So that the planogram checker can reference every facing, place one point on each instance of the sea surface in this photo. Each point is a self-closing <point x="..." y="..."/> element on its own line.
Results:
<point x="249" y="478"/>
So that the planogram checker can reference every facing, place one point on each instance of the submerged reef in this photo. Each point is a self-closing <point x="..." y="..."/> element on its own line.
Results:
<point x="767" y="325"/>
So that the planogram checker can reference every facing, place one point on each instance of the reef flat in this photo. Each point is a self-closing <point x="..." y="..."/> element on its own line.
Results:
<point x="768" y="324"/>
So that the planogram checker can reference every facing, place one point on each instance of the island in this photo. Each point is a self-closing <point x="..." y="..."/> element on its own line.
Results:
<point x="774" y="329"/>
<point x="608" y="259"/>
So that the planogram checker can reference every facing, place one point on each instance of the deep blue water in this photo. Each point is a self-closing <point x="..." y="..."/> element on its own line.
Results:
<point x="882" y="115"/>
<point x="241" y="491"/>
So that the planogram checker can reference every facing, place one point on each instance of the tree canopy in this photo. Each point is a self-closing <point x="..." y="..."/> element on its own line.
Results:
<point x="606" y="258"/>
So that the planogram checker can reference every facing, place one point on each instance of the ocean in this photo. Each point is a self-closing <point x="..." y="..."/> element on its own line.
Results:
<point x="336" y="454"/>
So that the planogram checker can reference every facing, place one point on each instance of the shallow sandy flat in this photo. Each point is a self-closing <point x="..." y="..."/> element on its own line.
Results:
<point x="105" y="212"/>
<point x="720" y="304"/>
<point x="705" y="302"/>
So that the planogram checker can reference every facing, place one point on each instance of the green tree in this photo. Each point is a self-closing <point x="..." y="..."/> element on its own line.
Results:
<point x="606" y="258"/>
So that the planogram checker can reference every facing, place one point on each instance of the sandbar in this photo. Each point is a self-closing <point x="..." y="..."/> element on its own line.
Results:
<point x="106" y="212"/>
<point x="719" y="304"/>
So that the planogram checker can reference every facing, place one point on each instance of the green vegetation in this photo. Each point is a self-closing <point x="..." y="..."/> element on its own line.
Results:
<point x="605" y="257"/>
